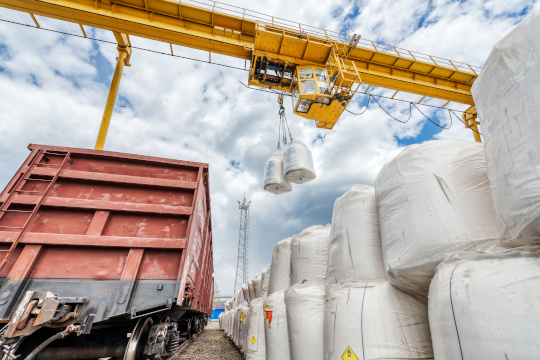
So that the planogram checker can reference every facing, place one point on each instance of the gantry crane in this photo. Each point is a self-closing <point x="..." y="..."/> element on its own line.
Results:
<point x="322" y="70"/>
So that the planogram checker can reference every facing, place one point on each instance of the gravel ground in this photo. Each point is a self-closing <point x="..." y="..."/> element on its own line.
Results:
<point x="211" y="344"/>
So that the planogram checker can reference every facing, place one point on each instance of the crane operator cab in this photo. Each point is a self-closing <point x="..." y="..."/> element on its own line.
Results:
<point x="322" y="94"/>
<point x="319" y="93"/>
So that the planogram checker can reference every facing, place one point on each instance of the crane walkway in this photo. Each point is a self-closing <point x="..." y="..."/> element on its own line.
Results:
<point x="211" y="344"/>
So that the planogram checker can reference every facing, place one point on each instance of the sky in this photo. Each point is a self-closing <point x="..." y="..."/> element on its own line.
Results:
<point x="53" y="90"/>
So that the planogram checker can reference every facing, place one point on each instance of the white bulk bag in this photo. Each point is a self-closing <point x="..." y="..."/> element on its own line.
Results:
<point x="251" y="290"/>
<point x="281" y="266"/>
<point x="255" y="341"/>
<point x="309" y="254"/>
<point x="434" y="200"/>
<point x="375" y="320"/>
<point x="507" y="98"/>
<point x="486" y="307"/>
<point x="245" y="292"/>
<point x="277" y="336"/>
<point x="220" y="321"/>
<point x="274" y="179"/>
<point x="355" y="245"/>
<point x="298" y="163"/>
<point x="257" y="285"/>
<point x="243" y="328"/>
<point x="236" y="326"/>
<point x="266" y="282"/>
<point x="305" y="320"/>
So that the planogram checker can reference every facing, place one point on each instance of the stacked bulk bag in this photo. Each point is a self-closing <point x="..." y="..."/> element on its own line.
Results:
<point x="507" y="98"/>
<point x="243" y="327"/>
<point x="255" y="341"/>
<point x="484" y="306"/>
<point x="251" y="290"/>
<point x="309" y="254"/>
<point x="276" y="333"/>
<point x="375" y="320"/>
<point x="274" y="178"/>
<point x="365" y="316"/>
<point x="245" y="291"/>
<point x="281" y="266"/>
<point x="298" y="163"/>
<point x="265" y="282"/>
<point x="305" y="320"/>
<point x="434" y="200"/>
<point x="257" y="285"/>
<point x="355" y="247"/>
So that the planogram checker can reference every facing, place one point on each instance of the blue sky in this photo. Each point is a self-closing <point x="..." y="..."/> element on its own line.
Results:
<point x="54" y="88"/>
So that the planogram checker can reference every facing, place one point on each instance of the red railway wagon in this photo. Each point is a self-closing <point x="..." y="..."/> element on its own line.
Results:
<point x="115" y="248"/>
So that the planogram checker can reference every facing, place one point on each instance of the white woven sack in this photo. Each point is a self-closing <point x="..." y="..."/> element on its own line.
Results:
<point x="251" y="290"/>
<point x="309" y="254"/>
<point x="243" y="319"/>
<point x="434" y="200"/>
<point x="507" y="98"/>
<point x="256" y="345"/>
<point x="355" y="247"/>
<point x="274" y="179"/>
<point x="257" y="285"/>
<point x="281" y="266"/>
<point x="277" y="335"/>
<point x="298" y="163"/>
<point x="375" y="320"/>
<point x="305" y="320"/>
<point x="486" y="307"/>
<point x="245" y="291"/>
<point x="266" y="282"/>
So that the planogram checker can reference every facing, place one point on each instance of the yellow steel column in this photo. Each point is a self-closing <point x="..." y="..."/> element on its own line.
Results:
<point x="124" y="52"/>
<point x="469" y="118"/>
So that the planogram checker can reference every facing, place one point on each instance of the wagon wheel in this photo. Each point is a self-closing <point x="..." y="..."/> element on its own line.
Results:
<point x="188" y="332"/>
<point x="138" y="338"/>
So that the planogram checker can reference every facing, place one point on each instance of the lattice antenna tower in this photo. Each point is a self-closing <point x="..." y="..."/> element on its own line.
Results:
<point x="242" y="264"/>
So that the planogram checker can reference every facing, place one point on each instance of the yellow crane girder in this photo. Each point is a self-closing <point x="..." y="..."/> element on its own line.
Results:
<point x="245" y="34"/>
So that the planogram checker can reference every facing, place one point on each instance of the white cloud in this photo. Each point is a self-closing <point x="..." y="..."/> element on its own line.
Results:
<point x="54" y="89"/>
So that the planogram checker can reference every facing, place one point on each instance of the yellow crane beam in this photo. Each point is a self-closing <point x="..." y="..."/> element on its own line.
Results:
<point x="224" y="29"/>
<point x="241" y="33"/>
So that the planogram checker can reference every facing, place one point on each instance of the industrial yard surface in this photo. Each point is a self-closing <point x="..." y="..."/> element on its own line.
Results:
<point x="211" y="344"/>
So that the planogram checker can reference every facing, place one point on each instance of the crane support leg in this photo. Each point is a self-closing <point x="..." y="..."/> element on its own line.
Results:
<point x="469" y="118"/>
<point x="124" y="53"/>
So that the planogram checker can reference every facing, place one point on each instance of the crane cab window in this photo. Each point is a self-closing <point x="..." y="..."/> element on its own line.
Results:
<point x="313" y="87"/>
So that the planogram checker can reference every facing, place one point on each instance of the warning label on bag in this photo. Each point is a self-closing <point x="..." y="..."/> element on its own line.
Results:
<point x="253" y="340"/>
<point x="349" y="354"/>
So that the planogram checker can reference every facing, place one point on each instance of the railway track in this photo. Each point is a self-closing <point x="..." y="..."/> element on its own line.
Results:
<point x="209" y="344"/>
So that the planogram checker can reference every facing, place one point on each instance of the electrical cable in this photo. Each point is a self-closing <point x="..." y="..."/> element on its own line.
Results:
<point x="401" y="121"/>
<point x="433" y="122"/>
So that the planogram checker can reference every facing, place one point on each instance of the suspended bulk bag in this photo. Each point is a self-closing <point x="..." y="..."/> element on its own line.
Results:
<point x="274" y="179"/>
<point x="275" y="329"/>
<point x="434" y="200"/>
<point x="507" y="98"/>
<point x="484" y="306"/>
<point x="305" y="320"/>
<point x="309" y="254"/>
<point x="375" y="320"/>
<point x="298" y="163"/>
<point x="256" y="345"/>
<point x="281" y="266"/>
<point x="355" y="247"/>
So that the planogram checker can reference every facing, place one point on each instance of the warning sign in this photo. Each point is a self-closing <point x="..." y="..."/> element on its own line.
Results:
<point x="349" y="354"/>
<point x="253" y="340"/>
<point x="266" y="308"/>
